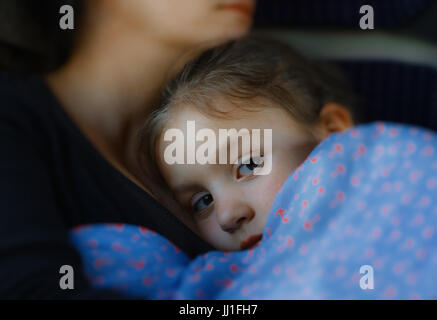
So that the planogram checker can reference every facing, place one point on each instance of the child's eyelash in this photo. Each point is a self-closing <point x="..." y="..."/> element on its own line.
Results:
<point x="199" y="197"/>
<point x="253" y="161"/>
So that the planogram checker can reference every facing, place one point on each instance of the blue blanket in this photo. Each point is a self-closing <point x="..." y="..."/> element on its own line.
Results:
<point x="356" y="220"/>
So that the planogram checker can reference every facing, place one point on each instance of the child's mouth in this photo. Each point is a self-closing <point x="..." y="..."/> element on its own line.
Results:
<point x="250" y="242"/>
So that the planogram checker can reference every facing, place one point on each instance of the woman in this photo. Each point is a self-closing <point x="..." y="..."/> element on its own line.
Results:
<point x="67" y="135"/>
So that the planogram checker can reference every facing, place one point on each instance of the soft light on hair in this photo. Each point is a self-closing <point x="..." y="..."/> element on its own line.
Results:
<point x="241" y="70"/>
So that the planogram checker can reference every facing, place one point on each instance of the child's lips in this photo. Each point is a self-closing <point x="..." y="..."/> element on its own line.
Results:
<point x="250" y="242"/>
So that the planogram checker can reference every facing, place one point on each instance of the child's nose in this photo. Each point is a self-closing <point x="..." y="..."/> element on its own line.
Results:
<point x="232" y="216"/>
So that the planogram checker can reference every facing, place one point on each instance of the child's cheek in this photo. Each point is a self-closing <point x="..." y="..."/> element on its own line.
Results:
<point x="275" y="180"/>
<point x="210" y="231"/>
<point x="281" y="169"/>
<point x="268" y="192"/>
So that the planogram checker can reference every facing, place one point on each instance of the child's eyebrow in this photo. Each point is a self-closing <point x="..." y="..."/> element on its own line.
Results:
<point x="186" y="188"/>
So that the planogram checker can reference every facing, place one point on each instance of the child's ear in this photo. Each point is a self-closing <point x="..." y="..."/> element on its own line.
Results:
<point x="334" y="117"/>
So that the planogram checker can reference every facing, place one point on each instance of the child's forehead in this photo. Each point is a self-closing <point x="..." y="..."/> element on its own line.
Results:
<point x="223" y="112"/>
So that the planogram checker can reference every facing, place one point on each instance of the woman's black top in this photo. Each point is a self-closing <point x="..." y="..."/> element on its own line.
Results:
<point x="52" y="179"/>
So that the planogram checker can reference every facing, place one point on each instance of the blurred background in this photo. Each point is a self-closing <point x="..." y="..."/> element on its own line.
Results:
<point x="393" y="68"/>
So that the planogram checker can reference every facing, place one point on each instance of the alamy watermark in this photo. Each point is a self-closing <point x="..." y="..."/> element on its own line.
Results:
<point x="366" y="280"/>
<point x="256" y="146"/>
<point x="67" y="280"/>
<point x="366" y="22"/>
<point x="67" y="20"/>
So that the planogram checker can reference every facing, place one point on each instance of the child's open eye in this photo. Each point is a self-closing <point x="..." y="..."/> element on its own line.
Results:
<point x="201" y="201"/>
<point x="246" y="170"/>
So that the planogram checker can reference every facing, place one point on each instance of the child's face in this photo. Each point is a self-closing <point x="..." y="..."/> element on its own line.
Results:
<point x="228" y="202"/>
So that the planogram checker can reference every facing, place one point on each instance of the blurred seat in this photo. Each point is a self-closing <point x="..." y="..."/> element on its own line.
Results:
<point x="337" y="13"/>
<point x="389" y="86"/>
<point x="393" y="91"/>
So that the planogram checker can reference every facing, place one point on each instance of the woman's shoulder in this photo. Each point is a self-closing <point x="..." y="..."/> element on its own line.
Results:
<point x="20" y="90"/>
<point x="25" y="103"/>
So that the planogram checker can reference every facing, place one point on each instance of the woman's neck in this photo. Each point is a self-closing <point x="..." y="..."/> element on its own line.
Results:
<point x="111" y="83"/>
<point x="110" y="87"/>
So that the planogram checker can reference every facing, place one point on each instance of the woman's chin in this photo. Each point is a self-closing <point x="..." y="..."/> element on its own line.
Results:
<point x="238" y="33"/>
<point x="231" y="33"/>
<point x="231" y="26"/>
<point x="239" y="25"/>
